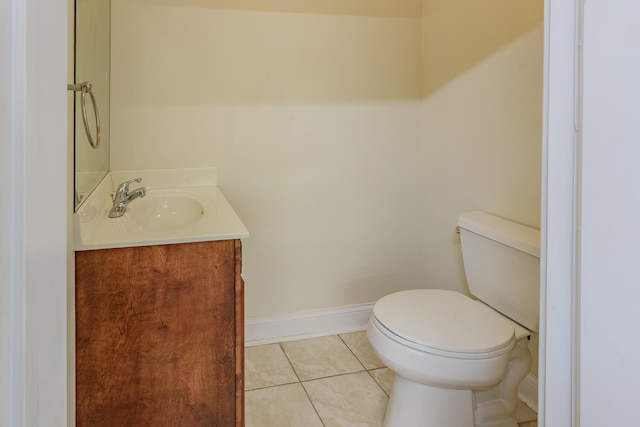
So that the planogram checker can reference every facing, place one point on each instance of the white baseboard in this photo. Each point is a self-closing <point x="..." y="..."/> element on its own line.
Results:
<point x="332" y="321"/>
<point x="308" y="324"/>
<point x="528" y="391"/>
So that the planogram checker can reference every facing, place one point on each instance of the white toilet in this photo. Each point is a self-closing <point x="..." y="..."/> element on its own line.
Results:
<point x="458" y="361"/>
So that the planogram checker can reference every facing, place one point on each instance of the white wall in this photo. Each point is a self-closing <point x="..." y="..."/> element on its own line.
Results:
<point x="34" y="212"/>
<point x="313" y="122"/>
<point x="609" y="270"/>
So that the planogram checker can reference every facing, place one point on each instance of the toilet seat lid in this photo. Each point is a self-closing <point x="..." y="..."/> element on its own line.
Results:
<point x="446" y="322"/>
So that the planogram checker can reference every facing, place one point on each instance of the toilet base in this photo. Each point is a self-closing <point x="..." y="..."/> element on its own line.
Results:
<point x="419" y="405"/>
<point x="495" y="407"/>
<point x="511" y="422"/>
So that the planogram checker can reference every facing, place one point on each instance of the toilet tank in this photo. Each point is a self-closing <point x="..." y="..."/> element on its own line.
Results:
<point x="502" y="264"/>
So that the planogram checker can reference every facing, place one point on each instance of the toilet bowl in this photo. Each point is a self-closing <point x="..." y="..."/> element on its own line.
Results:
<point x="458" y="361"/>
<point x="437" y="368"/>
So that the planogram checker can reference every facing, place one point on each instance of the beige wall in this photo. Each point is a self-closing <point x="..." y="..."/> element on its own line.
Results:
<point x="92" y="64"/>
<point x="347" y="149"/>
<point x="457" y="34"/>
<point x="313" y="121"/>
<point x="481" y="136"/>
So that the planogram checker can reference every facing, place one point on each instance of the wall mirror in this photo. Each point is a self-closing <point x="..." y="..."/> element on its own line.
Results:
<point x="92" y="64"/>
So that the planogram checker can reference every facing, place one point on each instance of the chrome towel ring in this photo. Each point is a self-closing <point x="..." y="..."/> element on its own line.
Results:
<point x="85" y="88"/>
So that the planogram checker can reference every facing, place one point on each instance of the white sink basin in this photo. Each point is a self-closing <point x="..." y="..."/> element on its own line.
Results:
<point x="165" y="210"/>
<point x="192" y="209"/>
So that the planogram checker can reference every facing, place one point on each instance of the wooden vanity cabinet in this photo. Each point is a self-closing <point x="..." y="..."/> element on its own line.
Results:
<point x="160" y="335"/>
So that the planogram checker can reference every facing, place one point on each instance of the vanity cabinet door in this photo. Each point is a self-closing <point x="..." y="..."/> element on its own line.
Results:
<point x="159" y="335"/>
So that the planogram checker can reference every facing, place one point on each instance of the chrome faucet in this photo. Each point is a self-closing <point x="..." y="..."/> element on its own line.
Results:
<point x="122" y="197"/>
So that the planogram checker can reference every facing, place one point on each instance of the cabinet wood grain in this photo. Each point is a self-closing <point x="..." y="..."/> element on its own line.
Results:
<point x="160" y="335"/>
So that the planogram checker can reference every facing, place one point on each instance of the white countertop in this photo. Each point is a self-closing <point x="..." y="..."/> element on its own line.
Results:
<point x="93" y="229"/>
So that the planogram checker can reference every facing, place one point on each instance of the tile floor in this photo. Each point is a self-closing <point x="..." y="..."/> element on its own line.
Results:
<point x="328" y="381"/>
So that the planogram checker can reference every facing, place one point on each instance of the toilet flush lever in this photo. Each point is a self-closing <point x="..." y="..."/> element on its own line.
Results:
<point x="458" y="229"/>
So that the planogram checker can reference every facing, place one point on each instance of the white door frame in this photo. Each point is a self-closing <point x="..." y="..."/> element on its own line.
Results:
<point x="33" y="213"/>
<point x="557" y="400"/>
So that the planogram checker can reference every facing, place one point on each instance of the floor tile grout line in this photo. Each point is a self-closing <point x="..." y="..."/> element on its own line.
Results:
<point x="333" y="376"/>
<point x="379" y="385"/>
<point x="364" y="369"/>
<point x="293" y="368"/>
<point x="368" y="371"/>
<point x="327" y="376"/>
<point x="352" y="352"/>
<point x="272" y="386"/>
<point x="356" y="356"/>
<point x="312" y="404"/>
<point x="300" y="380"/>
<point x="301" y="384"/>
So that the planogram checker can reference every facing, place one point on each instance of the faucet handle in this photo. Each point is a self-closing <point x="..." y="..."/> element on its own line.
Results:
<point x="124" y="187"/>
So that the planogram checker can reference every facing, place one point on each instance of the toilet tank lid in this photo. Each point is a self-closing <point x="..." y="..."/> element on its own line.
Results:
<point x="513" y="234"/>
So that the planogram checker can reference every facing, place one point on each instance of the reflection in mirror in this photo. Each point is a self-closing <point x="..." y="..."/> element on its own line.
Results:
<point x="92" y="64"/>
